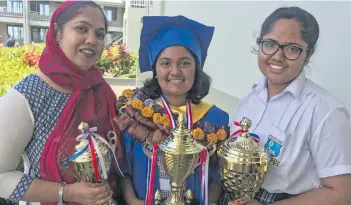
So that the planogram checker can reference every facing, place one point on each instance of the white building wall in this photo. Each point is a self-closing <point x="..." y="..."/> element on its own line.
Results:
<point x="232" y="65"/>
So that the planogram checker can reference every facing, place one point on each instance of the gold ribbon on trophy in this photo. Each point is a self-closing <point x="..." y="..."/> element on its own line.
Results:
<point x="90" y="162"/>
<point x="243" y="165"/>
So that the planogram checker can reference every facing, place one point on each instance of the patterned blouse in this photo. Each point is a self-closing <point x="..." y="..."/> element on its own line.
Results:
<point x="46" y="105"/>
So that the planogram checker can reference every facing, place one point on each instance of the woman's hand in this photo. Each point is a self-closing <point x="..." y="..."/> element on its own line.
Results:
<point x="251" y="202"/>
<point x="84" y="193"/>
<point x="137" y="201"/>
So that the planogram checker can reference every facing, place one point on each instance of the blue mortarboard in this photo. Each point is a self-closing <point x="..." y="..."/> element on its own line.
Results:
<point x="160" y="32"/>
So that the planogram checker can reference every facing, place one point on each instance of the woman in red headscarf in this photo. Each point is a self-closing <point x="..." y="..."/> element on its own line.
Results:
<point x="44" y="110"/>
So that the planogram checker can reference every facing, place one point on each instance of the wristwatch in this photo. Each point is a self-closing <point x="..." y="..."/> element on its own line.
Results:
<point x="60" y="194"/>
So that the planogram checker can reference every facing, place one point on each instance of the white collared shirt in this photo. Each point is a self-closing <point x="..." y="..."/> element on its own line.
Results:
<point x="306" y="131"/>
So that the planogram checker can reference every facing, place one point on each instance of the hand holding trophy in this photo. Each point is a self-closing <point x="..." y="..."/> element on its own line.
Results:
<point x="90" y="163"/>
<point x="243" y="165"/>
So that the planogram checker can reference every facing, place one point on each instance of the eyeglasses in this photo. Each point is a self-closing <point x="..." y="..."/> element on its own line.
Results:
<point x="290" y="52"/>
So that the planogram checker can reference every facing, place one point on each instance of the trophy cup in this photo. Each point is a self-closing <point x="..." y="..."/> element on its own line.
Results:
<point x="180" y="155"/>
<point x="80" y="164"/>
<point x="243" y="165"/>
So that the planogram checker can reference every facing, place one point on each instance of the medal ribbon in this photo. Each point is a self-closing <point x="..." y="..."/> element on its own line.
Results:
<point x="189" y="115"/>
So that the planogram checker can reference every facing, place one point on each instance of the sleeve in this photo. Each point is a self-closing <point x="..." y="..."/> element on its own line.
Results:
<point x="128" y="147"/>
<point x="16" y="125"/>
<point x="330" y="144"/>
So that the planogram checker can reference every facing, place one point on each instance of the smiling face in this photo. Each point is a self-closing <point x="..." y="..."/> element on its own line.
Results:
<point x="82" y="38"/>
<point x="279" y="70"/>
<point x="175" y="71"/>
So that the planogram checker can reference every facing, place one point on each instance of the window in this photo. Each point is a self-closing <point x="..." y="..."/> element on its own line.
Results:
<point x="16" y="32"/>
<point x="40" y="7"/>
<point x="111" y="13"/>
<point x="14" y="6"/>
<point x="39" y="34"/>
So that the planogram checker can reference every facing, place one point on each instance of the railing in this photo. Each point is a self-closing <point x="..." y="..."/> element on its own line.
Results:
<point x="115" y="24"/>
<point x="36" y="16"/>
<point x="118" y="40"/>
<point x="4" y="12"/>
<point x="140" y="3"/>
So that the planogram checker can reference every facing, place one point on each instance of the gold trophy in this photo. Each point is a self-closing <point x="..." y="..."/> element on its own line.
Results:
<point x="180" y="155"/>
<point x="82" y="166"/>
<point x="243" y="165"/>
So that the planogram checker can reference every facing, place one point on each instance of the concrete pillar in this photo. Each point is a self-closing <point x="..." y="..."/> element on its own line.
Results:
<point x="26" y="28"/>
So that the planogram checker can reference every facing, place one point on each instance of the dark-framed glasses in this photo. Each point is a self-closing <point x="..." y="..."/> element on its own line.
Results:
<point x="290" y="51"/>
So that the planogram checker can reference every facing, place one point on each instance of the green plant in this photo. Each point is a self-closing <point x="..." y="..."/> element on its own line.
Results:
<point x="13" y="67"/>
<point x="117" y="61"/>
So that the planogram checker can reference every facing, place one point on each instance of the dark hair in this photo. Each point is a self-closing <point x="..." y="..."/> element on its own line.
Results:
<point x="200" y="89"/>
<point x="71" y="12"/>
<point x="308" y="25"/>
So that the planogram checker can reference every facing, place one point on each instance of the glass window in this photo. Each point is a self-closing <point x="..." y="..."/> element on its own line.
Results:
<point x="111" y="13"/>
<point x="39" y="34"/>
<point x="16" y="32"/>
<point x="42" y="7"/>
<point x="14" y="6"/>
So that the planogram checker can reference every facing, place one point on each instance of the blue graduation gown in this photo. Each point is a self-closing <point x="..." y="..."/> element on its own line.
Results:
<point x="138" y="162"/>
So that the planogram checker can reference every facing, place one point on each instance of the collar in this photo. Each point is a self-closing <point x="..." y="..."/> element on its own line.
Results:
<point x="295" y="87"/>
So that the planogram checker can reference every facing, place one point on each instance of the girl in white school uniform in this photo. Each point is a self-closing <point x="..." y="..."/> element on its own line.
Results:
<point x="304" y="128"/>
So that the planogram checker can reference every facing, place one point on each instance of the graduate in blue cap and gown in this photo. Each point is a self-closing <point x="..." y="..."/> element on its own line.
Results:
<point x="175" y="50"/>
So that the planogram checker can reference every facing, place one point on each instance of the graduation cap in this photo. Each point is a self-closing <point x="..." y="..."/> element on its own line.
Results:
<point x="160" y="32"/>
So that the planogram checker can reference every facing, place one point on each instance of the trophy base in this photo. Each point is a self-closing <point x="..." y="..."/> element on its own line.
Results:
<point x="175" y="198"/>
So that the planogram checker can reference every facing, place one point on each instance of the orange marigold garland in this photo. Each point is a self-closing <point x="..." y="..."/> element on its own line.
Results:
<point x="147" y="112"/>
<point x="202" y="132"/>
<point x="198" y="134"/>
<point x="128" y="93"/>
<point x="212" y="138"/>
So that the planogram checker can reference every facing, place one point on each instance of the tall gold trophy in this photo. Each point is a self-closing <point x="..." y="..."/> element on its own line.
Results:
<point x="180" y="155"/>
<point x="82" y="166"/>
<point x="243" y="165"/>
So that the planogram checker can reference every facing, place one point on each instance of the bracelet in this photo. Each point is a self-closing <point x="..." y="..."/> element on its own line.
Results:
<point x="60" y="194"/>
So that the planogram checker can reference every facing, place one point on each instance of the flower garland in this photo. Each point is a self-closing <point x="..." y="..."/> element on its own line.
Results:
<point x="205" y="133"/>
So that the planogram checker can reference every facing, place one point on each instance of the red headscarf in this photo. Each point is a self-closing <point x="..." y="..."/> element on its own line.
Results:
<point x="93" y="101"/>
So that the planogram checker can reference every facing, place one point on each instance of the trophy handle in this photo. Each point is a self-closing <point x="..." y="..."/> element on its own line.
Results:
<point x="264" y="162"/>
<point x="66" y="165"/>
<point x="188" y="197"/>
<point x="112" y="139"/>
<point x="147" y="148"/>
<point x="211" y="149"/>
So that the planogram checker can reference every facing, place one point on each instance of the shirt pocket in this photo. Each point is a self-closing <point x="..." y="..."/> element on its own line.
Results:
<point x="277" y="147"/>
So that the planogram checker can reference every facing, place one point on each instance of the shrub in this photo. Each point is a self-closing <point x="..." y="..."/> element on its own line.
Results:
<point x="17" y="62"/>
<point x="13" y="66"/>
<point x="117" y="61"/>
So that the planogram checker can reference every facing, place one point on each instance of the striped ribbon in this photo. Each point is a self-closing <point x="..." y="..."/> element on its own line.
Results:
<point x="94" y="148"/>
<point x="255" y="137"/>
